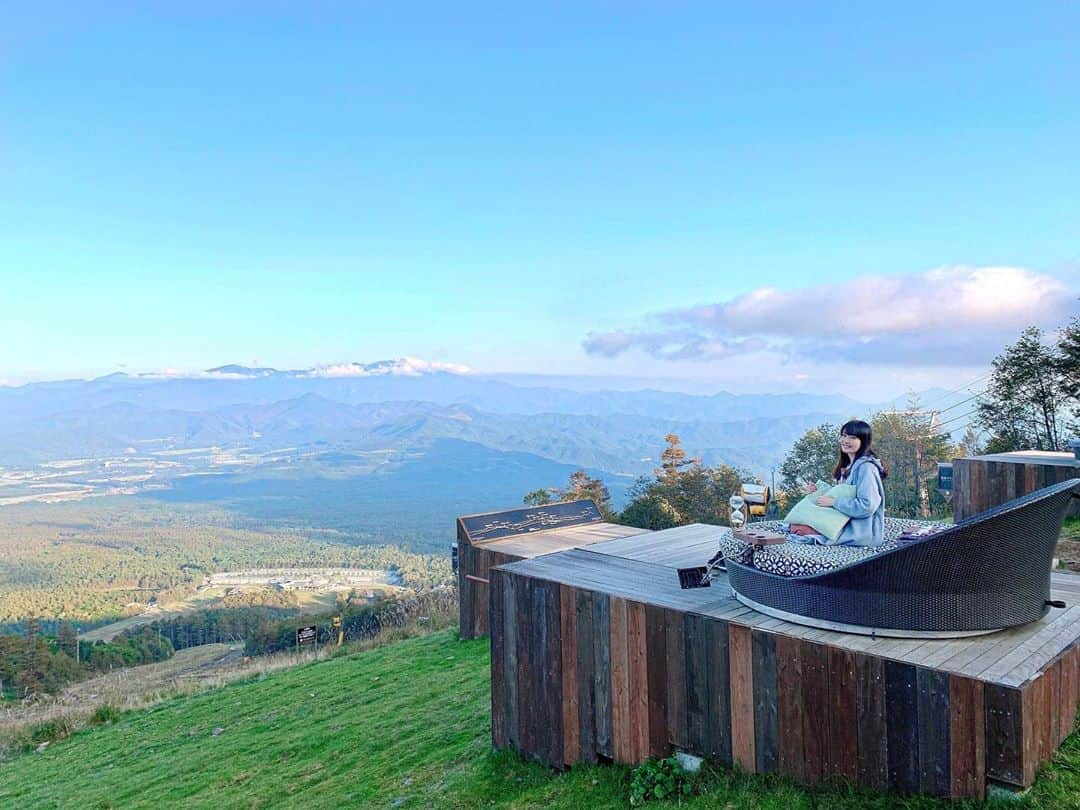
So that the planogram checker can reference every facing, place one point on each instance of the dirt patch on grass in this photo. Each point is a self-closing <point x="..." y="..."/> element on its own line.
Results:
<point x="1068" y="547"/>
<point x="1068" y="551"/>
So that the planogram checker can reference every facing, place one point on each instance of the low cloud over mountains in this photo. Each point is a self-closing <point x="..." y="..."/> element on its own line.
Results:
<point x="951" y="316"/>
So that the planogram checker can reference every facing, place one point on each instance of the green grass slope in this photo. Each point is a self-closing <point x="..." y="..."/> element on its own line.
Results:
<point x="405" y="725"/>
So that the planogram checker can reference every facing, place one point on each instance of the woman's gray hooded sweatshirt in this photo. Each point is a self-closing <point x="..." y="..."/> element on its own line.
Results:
<point x="866" y="508"/>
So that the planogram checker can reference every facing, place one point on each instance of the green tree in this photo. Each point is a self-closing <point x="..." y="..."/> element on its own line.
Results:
<point x="580" y="486"/>
<point x="1024" y="399"/>
<point x="682" y="491"/>
<point x="538" y="497"/>
<point x="1069" y="370"/>
<point x="910" y="445"/>
<point x="811" y="458"/>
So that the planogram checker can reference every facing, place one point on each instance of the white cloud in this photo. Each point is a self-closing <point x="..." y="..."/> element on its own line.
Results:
<point x="954" y="315"/>
<point x="405" y="367"/>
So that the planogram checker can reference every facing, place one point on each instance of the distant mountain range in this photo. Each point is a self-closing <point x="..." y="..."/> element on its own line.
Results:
<point x="398" y="405"/>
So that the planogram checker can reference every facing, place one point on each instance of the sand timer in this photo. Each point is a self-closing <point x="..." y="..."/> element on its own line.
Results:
<point x="737" y="513"/>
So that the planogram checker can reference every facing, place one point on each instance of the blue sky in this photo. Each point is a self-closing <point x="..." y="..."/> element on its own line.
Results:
<point x="559" y="190"/>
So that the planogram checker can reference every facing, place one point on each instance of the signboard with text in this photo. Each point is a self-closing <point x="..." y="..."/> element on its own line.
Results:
<point x="306" y="635"/>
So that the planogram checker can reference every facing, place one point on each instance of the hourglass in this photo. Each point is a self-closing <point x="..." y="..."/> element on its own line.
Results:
<point x="737" y="513"/>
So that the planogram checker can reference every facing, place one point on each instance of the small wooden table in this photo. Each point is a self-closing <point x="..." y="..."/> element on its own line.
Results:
<point x="759" y="538"/>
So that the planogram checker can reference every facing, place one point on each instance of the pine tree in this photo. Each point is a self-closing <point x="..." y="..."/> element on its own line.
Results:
<point x="673" y="460"/>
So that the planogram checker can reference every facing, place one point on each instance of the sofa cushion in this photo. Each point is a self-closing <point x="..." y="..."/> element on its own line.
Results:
<point x="825" y="520"/>
<point x="794" y="559"/>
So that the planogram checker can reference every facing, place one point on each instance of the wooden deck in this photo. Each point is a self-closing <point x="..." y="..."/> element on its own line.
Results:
<point x="598" y="654"/>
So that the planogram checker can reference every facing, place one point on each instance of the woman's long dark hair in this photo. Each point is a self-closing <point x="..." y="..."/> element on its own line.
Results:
<point x="865" y="434"/>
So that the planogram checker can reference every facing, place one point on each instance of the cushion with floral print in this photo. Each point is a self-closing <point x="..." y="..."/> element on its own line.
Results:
<point x="796" y="559"/>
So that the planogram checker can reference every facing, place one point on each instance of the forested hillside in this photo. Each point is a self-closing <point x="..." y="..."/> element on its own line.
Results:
<point x="89" y="560"/>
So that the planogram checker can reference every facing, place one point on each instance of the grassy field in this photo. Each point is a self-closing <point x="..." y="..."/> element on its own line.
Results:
<point x="403" y="725"/>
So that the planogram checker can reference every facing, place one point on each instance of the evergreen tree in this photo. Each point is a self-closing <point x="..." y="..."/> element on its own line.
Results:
<point x="538" y="497"/>
<point x="1069" y="371"/>
<point x="581" y="486"/>
<point x="673" y="459"/>
<point x="1024" y="399"/>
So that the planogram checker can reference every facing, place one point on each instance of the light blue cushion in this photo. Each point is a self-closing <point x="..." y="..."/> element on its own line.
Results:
<point x="825" y="520"/>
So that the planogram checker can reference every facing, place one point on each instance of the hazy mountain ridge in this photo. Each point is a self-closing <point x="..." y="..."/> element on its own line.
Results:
<point x="262" y="410"/>
<point x="232" y="385"/>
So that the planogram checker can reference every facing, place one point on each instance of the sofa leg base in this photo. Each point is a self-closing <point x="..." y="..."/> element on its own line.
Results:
<point x="858" y="629"/>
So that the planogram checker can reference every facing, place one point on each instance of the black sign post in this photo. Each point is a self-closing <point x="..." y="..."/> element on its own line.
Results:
<point x="945" y="476"/>
<point x="307" y="635"/>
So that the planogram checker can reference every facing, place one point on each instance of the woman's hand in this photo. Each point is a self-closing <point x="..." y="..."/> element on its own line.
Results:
<point x="825" y="500"/>
<point x="811" y="488"/>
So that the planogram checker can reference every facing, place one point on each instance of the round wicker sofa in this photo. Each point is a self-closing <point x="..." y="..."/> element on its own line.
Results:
<point x="983" y="574"/>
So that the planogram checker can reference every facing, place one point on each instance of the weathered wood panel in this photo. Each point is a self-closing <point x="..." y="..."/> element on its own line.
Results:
<point x="935" y="760"/>
<point x="1031" y="705"/>
<point x="499" y="681"/>
<point x="676" y="679"/>
<point x="980" y="483"/>
<point x="511" y="673"/>
<point x="637" y="681"/>
<point x="526" y="662"/>
<point x="815" y="698"/>
<point x="766" y="714"/>
<point x="870" y="721"/>
<point x="551" y="666"/>
<point x="586" y="675"/>
<point x="789" y="687"/>
<point x="601" y="603"/>
<point x="718" y="716"/>
<point x="697" y="691"/>
<point x="571" y="695"/>
<point x="843" y="754"/>
<point x="1004" y="733"/>
<point x="656" y="649"/>
<point x="741" y="667"/>
<point x="473" y="596"/>
<point x="902" y="727"/>
<point x="967" y="738"/>
<point x="621" y="739"/>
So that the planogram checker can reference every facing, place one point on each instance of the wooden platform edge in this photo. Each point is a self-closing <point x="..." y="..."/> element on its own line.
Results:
<point x="581" y="676"/>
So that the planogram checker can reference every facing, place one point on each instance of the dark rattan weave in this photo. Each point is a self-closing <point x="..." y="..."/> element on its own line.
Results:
<point x="987" y="572"/>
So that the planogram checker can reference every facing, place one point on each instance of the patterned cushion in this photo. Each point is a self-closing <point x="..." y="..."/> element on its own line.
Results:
<point x="796" y="559"/>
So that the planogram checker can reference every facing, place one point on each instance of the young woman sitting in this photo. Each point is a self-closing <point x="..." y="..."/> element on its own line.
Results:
<point x="860" y="467"/>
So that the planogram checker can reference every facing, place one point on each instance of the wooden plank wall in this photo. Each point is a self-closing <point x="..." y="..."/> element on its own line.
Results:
<point x="581" y="676"/>
<point x="980" y="484"/>
<point x="1048" y="705"/>
<point x="473" y="596"/>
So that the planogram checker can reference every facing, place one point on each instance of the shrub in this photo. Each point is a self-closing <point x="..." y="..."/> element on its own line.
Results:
<point x="49" y="731"/>
<point x="104" y="715"/>
<point x="660" y="779"/>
